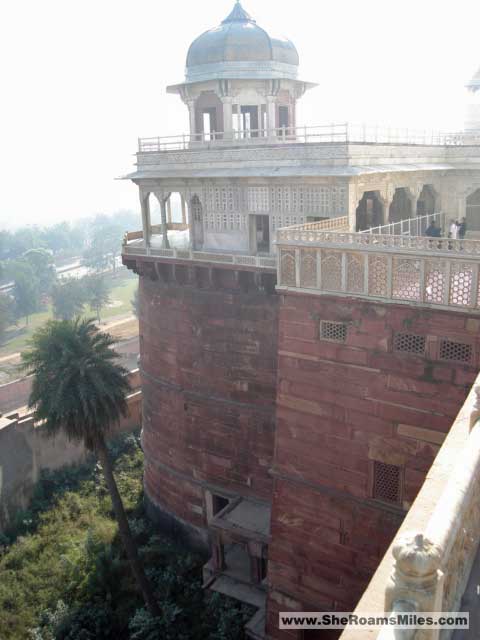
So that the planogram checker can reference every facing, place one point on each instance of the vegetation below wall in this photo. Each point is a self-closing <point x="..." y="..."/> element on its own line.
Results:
<point x="63" y="574"/>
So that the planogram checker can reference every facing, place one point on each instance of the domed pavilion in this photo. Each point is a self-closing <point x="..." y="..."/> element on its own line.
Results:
<point x="240" y="81"/>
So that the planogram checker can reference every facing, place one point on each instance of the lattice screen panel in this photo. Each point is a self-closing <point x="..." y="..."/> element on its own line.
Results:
<point x="456" y="351"/>
<point x="409" y="343"/>
<point x="406" y="279"/>
<point x="332" y="270"/>
<point x="377" y="276"/>
<point x="355" y="273"/>
<point x="308" y="268"/>
<point x="287" y="268"/>
<point x="333" y="331"/>
<point x="435" y="281"/>
<point x="387" y="484"/>
<point x="461" y="281"/>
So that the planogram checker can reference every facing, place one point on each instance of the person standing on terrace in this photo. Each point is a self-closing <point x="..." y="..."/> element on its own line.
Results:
<point x="432" y="230"/>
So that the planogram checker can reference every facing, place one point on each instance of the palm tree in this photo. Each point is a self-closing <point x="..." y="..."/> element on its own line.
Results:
<point x="78" y="388"/>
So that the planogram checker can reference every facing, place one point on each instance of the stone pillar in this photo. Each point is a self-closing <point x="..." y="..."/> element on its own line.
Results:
<point x="227" y="117"/>
<point x="184" y="209"/>
<point x="146" y="224"/>
<point x="271" y="115"/>
<point x="414" y="201"/>
<point x="163" y="208"/>
<point x="386" y="211"/>
<point x="193" y="125"/>
<point x="169" y="211"/>
<point x="352" y="207"/>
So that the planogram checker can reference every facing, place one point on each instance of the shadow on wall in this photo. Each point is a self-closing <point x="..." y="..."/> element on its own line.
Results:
<point x="25" y="452"/>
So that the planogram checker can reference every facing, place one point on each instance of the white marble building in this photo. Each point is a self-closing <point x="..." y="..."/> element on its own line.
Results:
<point x="246" y="169"/>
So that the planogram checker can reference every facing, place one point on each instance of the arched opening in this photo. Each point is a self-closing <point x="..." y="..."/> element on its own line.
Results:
<point x="426" y="201"/>
<point x="196" y="222"/>
<point x="176" y="218"/>
<point x="369" y="211"/>
<point x="473" y="211"/>
<point x="155" y="215"/>
<point x="209" y="116"/>
<point x="401" y="207"/>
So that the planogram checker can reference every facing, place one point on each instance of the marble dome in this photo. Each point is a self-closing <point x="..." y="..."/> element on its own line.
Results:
<point x="239" y="48"/>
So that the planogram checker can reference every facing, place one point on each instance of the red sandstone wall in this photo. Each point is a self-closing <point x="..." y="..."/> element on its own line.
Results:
<point x="208" y="359"/>
<point x="340" y="406"/>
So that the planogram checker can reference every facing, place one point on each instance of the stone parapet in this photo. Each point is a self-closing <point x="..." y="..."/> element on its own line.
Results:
<point x="432" y="272"/>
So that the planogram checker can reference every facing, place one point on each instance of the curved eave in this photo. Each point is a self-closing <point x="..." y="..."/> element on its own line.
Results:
<point x="182" y="86"/>
<point x="345" y="171"/>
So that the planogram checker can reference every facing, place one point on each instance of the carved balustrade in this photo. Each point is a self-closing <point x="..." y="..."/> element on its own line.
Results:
<point x="406" y="269"/>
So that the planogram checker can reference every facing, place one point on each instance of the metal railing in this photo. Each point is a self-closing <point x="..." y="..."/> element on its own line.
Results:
<point x="320" y="134"/>
<point x="409" y="227"/>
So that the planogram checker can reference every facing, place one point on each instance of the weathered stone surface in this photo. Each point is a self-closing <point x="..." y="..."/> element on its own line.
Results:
<point x="209" y="361"/>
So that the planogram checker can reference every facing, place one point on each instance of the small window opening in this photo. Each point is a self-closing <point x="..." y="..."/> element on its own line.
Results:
<point x="219" y="503"/>
<point x="458" y="351"/>
<point x="409" y="343"/>
<point x="387" y="482"/>
<point x="333" y="331"/>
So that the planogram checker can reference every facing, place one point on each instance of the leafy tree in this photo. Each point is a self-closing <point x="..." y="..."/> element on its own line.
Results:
<point x="97" y="293"/>
<point x="7" y="313"/>
<point x="80" y="389"/>
<point x="105" y="245"/>
<point x="26" y="291"/>
<point x="57" y="237"/>
<point x="68" y="298"/>
<point x="24" y="239"/>
<point x="96" y="258"/>
<point x="42" y="264"/>
<point x="5" y="245"/>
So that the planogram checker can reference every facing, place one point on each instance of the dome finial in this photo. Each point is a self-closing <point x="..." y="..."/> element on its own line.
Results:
<point x="238" y="14"/>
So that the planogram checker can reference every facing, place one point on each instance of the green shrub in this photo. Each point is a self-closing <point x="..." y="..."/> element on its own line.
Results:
<point x="63" y="574"/>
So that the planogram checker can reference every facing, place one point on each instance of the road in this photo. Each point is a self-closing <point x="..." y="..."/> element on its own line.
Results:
<point x="73" y="270"/>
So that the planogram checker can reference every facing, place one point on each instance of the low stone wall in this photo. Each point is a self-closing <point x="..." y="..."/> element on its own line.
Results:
<point x="25" y="451"/>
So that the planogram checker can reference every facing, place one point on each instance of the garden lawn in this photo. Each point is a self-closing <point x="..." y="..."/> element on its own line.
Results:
<point x="122" y="291"/>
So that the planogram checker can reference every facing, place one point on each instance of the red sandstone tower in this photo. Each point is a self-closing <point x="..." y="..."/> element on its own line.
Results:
<point x="298" y="373"/>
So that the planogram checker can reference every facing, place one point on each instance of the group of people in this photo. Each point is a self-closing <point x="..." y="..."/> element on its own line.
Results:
<point x="456" y="230"/>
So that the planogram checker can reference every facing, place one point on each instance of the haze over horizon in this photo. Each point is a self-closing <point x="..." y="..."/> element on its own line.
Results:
<point x="85" y="79"/>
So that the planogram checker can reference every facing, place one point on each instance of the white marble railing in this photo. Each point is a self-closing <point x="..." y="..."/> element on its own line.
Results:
<point x="430" y="271"/>
<point x="429" y="562"/>
<point x="302" y="235"/>
<point x="260" y="262"/>
<point x="330" y="133"/>
<point x="339" y="223"/>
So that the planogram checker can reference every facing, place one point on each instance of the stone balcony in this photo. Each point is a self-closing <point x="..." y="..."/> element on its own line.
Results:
<point x="401" y="269"/>
<point x="336" y="149"/>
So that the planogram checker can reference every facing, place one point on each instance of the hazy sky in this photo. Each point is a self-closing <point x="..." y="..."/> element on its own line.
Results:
<point x="81" y="80"/>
